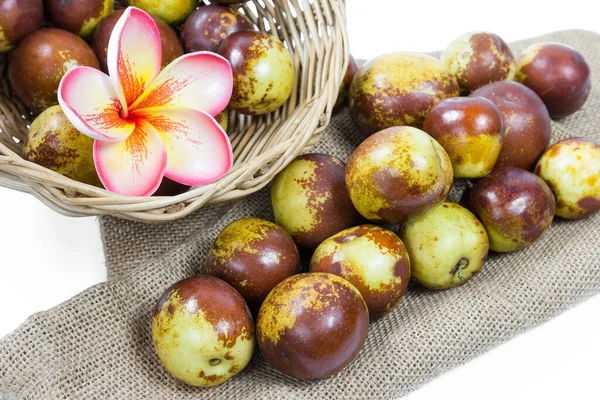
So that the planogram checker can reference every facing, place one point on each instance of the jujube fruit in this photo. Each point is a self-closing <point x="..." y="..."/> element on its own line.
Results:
<point x="479" y="58"/>
<point x="78" y="16"/>
<point x="515" y="206"/>
<point x="527" y="128"/>
<point x="263" y="72"/>
<point x="17" y="19"/>
<point x="41" y="60"/>
<point x="310" y="199"/>
<point x="253" y="256"/>
<point x="312" y="325"/>
<point x="208" y="26"/>
<point x="446" y="247"/>
<point x="202" y="331"/>
<point x="398" y="175"/>
<point x="371" y="258"/>
<point x="471" y="130"/>
<point x="398" y="89"/>
<point x="558" y="73"/>
<point x="571" y="167"/>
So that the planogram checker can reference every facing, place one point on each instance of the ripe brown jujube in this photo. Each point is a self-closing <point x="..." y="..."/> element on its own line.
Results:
<point x="515" y="206"/>
<point x="253" y="256"/>
<point x="41" y="60"/>
<point x="346" y="82"/>
<point x="206" y="28"/>
<point x="558" y="73"/>
<point x="17" y="19"/>
<point x="312" y="325"/>
<point x="471" y="130"/>
<point x="527" y="128"/>
<point x="479" y="58"/>
<point x="171" y="46"/>
<point x="78" y="16"/>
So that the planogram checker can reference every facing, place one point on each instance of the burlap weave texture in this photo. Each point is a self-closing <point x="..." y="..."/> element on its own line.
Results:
<point x="98" y="344"/>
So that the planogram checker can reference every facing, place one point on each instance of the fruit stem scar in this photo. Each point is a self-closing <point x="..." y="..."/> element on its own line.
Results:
<point x="215" y="361"/>
<point x="458" y="268"/>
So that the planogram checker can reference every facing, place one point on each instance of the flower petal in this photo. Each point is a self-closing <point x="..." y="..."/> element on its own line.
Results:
<point x="135" y="166"/>
<point x="198" y="149"/>
<point x="90" y="102"/>
<point x="201" y="81"/>
<point x="134" y="54"/>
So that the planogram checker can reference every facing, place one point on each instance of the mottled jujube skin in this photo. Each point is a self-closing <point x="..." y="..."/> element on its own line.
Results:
<point x="202" y="331"/>
<point x="373" y="259"/>
<point x="310" y="199"/>
<point x="54" y="143"/>
<point x="208" y="26"/>
<point x="78" y="16"/>
<point x="558" y="73"/>
<point x="398" y="89"/>
<point x="479" y="58"/>
<point x="253" y="256"/>
<point x="571" y="167"/>
<point x="471" y="130"/>
<point x="41" y="60"/>
<point x="515" y="206"/>
<point x="312" y="325"/>
<point x="171" y="46"/>
<point x="263" y="72"/>
<point x="527" y="124"/>
<point x="17" y="19"/>
<point x="398" y="175"/>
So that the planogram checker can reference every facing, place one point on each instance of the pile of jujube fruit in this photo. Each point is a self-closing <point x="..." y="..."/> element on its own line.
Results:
<point x="76" y="33"/>
<point x="347" y="238"/>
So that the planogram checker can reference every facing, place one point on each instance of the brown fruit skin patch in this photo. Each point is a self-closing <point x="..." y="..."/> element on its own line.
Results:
<point x="327" y="209"/>
<point x="253" y="256"/>
<point x="206" y="28"/>
<point x="54" y="143"/>
<point x="218" y="302"/>
<point x="41" y="60"/>
<point x="78" y="16"/>
<point x="171" y="46"/>
<point x="471" y="130"/>
<point x="382" y="289"/>
<point x="17" y="19"/>
<point x="559" y="74"/>
<point x="515" y="206"/>
<point x="398" y="89"/>
<point x="263" y="72"/>
<point x="527" y="128"/>
<point x="312" y="325"/>
<point x="387" y="180"/>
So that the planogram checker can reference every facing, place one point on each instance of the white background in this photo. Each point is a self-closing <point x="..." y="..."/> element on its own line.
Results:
<point x="46" y="258"/>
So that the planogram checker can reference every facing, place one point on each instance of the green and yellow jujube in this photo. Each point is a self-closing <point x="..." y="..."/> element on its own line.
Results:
<point x="170" y="11"/>
<point x="54" y="143"/>
<point x="263" y="72"/>
<point x="446" y="247"/>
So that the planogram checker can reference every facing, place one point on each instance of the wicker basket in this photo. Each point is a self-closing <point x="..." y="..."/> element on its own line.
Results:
<point x="315" y="33"/>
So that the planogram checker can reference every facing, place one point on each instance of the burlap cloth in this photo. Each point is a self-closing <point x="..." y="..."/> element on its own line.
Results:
<point x="98" y="344"/>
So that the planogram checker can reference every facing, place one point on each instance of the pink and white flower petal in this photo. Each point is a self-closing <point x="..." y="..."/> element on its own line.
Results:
<point x="198" y="149"/>
<point x="201" y="81"/>
<point x="134" y="54"/>
<point x="89" y="100"/>
<point x="135" y="166"/>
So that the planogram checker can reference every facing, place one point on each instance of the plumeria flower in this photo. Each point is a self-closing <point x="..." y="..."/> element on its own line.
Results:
<point x="149" y="123"/>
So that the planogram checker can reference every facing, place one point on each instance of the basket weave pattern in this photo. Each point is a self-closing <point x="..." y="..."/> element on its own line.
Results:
<point x="315" y="33"/>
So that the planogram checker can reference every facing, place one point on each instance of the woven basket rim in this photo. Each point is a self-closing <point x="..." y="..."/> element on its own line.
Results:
<point x="314" y="30"/>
